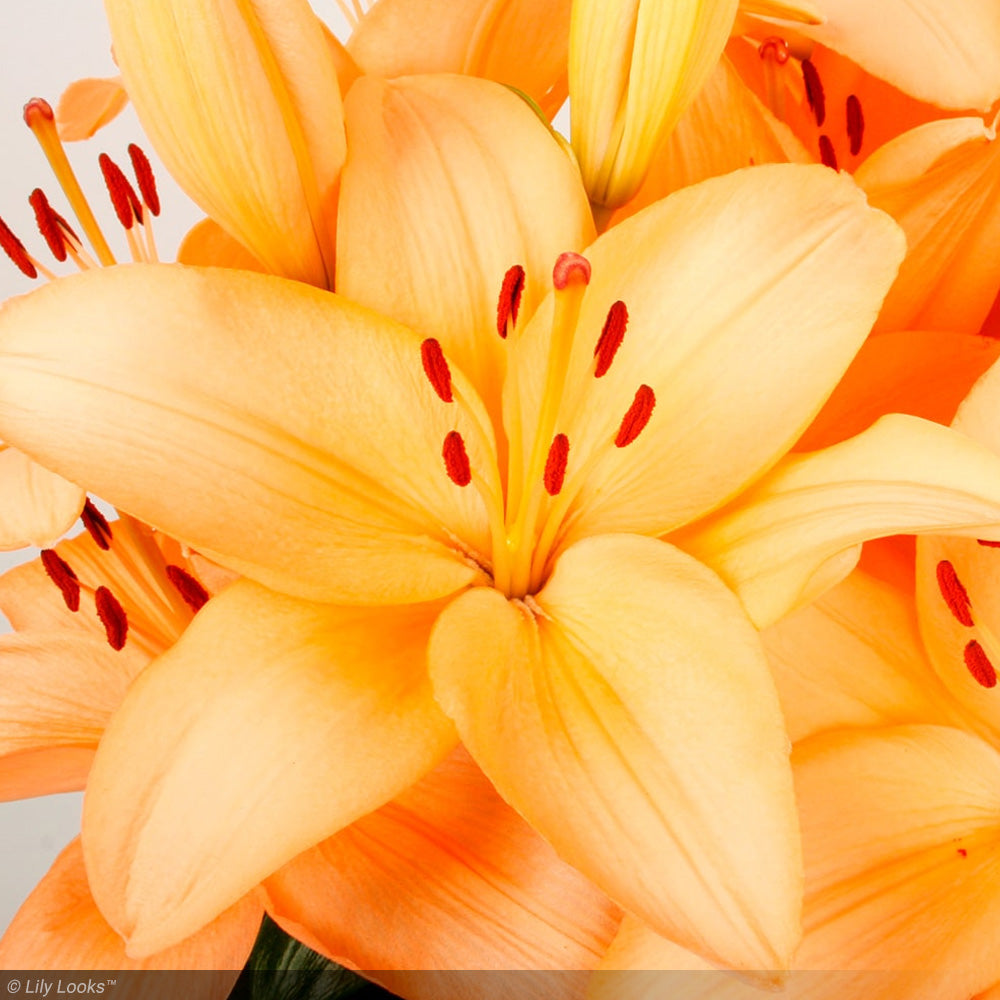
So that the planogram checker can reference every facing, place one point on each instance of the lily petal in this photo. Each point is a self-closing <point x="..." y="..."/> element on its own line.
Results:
<point x="207" y="244"/>
<point x="941" y="183"/>
<point x="486" y="38"/>
<point x="446" y="876"/>
<point x="634" y="68"/>
<point x="900" y="831"/>
<point x="331" y="714"/>
<point x="747" y="297"/>
<point x="86" y="106"/>
<point x="38" y="506"/>
<point x="853" y="658"/>
<point x="263" y="152"/>
<point x="279" y="429"/>
<point x="60" y="927"/>
<point x="634" y="724"/>
<point x="437" y="263"/>
<point x="791" y="536"/>
<point x="937" y="50"/>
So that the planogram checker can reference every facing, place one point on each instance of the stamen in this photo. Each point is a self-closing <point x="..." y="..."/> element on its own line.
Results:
<point x="570" y="268"/>
<point x="61" y="574"/>
<point x="144" y="178"/>
<point x="48" y="224"/>
<point x="456" y="461"/>
<point x="637" y="416"/>
<point x="194" y="594"/>
<point x="15" y="250"/>
<point x="112" y="616"/>
<point x="814" y="91"/>
<point x="555" y="464"/>
<point x="855" y="124"/>
<point x="611" y="338"/>
<point x="436" y="368"/>
<point x="827" y="153"/>
<point x="123" y="196"/>
<point x="988" y="544"/>
<point x="774" y="53"/>
<point x="954" y="593"/>
<point x="97" y="525"/>
<point x="510" y="299"/>
<point x="978" y="664"/>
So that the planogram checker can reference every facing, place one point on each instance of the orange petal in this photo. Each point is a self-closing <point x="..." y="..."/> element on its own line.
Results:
<point x="487" y="38"/>
<point x="926" y="373"/>
<point x="38" y="506"/>
<point x="630" y="717"/>
<point x="450" y="182"/>
<point x="446" y="876"/>
<point x="332" y="715"/>
<point x="207" y="244"/>
<point x="941" y="183"/>
<point x="59" y="928"/>
<point x="88" y="105"/>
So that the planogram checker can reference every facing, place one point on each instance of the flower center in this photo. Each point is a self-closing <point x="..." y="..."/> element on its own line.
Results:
<point x="978" y="651"/>
<point x="528" y="509"/>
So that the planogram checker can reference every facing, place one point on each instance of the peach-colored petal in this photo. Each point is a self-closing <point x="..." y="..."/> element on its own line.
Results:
<point x="207" y="244"/>
<point x="630" y="717"/>
<point x="38" y="506"/>
<point x="86" y="106"/>
<point x="797" y="531"/>
<point x="941" y="183"/>
<point x="747" y="297"/>
<point x="853" y="658"/>
<point x="241" y="101"/>
<point x="446" y="876"/>
<point x="926" y="373"/>
<point x="270" y="725"/>
<point x="451" y="181"/>
<point x="314" y="464"/>
<point x="60" y="928"/>
<point x="487" y="38"/>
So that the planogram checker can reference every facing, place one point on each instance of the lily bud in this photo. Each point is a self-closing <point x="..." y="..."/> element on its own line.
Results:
<point x="634" y="67"/>
<point x="240" y="99"/>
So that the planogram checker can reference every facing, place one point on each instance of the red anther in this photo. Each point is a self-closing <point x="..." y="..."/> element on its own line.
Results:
<point x="814" y="91"/>
<point x="61" y="574"/>
<point x="112" y="616"/>
<point x="954" y="593"/>
<point x="48" y="224"/>
<point x="194" y="594"/>
<point x="637" y="416"/>
<point x="775" y="48"/>
<point x="510" y="298"/>
<point x="14" y="249"/>
<point x="570" y="267"/>
<point x="827" y="153"/>
<point x="456" y="461"/>
<point x="988" y="544"/>
<point x="97" y="525"/>
<point x="436" y="368"/>
<point x="37" y="108"/>
<point x="555" y="464"/>
<point x="611" y="338"/>
<point x="144" y="178"/>
<point x="123" y="197"/>
<point x="855" y="124"/>
<point x="979" y="665"/>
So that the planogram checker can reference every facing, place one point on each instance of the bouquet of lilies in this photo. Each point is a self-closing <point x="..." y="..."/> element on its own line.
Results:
<point x="512" y="551"/>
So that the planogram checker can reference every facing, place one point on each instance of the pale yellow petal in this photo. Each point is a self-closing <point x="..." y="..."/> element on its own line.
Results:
<point x="631" y="719"/>
<point x="241" y="100"/>
<point x="38" y="506"/>
<point x="86" y="106"/>
<point x="279" y="429"/>
<point x="60" y="928"/>
<point x="634" y="68"/>
<point x="747" y="297"/>
<point x="792" y="535"/>
<point x="450" y="182"/>
<point x="941" y="183"/>
<point x="207" y="244"/>
<point x="269" y="726"/>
